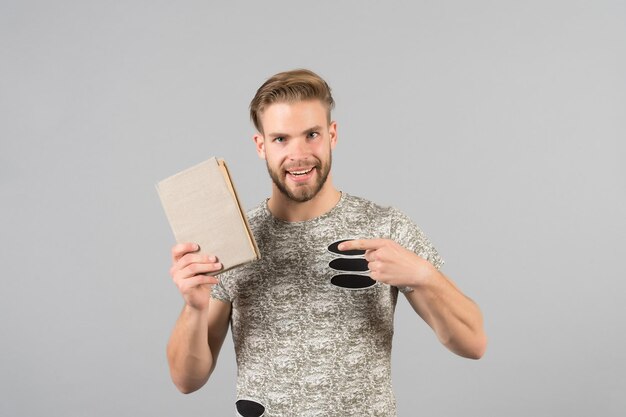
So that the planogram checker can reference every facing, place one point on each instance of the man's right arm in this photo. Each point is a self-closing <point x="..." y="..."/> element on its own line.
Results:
<point x="201" y="328"/>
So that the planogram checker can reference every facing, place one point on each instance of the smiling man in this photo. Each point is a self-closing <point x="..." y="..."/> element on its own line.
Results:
<point x="312" y="321"/>
<point x="300" y="179"/>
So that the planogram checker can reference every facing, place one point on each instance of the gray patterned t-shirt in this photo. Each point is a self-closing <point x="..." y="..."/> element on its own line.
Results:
<point x="305" y="345"/>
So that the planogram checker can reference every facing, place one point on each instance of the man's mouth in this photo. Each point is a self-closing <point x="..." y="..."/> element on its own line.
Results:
<point x="301" y="172"/>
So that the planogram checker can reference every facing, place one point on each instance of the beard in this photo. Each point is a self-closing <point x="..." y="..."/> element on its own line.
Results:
<point x="302" y="192"/>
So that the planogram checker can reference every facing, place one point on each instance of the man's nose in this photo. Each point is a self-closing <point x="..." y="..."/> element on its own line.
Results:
<point x="299" y="148"/>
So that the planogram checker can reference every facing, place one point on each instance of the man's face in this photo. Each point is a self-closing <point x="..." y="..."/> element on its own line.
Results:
<point x="297" y="145"/>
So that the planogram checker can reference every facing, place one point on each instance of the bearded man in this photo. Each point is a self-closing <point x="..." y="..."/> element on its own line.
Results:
<point x="312" y="320"/>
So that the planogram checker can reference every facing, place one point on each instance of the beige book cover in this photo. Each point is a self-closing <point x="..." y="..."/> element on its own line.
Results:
<point x="202" y="206"/>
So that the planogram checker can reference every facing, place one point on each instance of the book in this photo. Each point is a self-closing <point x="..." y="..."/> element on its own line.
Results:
<point x="202" y="206"/>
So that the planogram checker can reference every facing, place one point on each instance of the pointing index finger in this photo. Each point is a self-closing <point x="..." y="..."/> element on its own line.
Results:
<point x="362" y="244"/>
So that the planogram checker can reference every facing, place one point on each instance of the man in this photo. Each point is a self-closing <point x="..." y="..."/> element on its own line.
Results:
<point x="312" y="321"/>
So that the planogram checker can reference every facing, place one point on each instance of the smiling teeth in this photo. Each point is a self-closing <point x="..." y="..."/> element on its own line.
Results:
<point x="300" y="172"/>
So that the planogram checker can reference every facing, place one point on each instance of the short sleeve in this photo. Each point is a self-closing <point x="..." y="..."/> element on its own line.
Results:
<point x="220" y="290"/>
<point x="409" y="235"/>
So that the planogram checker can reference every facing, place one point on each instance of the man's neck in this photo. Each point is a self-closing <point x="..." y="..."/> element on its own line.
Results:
<point x="283" y="208"/>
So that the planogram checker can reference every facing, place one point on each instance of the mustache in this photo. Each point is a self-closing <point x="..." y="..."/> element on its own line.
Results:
<point x="303" y="164"/>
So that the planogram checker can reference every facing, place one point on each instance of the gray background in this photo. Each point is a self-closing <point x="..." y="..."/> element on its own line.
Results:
<point x="498" y="126"/>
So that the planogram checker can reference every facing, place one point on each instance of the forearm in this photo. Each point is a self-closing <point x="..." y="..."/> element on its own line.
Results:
<point x="455" y="318"/>
<point x="188" y="351"/>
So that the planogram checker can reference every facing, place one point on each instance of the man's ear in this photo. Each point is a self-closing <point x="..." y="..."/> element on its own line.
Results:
<point x="332" y="131"/>
<point x="260" y="145"/>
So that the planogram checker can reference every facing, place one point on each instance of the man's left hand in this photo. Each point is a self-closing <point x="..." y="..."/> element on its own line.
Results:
<point x="391" y="263"/>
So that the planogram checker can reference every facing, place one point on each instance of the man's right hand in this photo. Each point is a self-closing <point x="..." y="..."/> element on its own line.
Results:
<point x="187" y="272"/>
<point x="200" y="331"/>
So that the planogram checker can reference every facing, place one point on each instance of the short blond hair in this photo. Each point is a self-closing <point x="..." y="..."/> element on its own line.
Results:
<point x="290" y="86"/>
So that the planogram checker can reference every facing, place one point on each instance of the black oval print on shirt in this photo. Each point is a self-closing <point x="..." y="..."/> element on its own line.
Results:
<point x="334" y="248"/>
<point x="248" y="408"/>
<point x="349" y="264"/>
<point x="355" y="266"/>
<point x="352" y="281"/>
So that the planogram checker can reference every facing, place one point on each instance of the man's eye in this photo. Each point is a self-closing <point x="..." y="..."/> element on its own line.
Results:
<point x="313" y="135"/>
<point x="279" y="139"/>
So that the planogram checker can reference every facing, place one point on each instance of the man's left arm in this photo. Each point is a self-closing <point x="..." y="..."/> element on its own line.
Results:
<point x="456" y="319"/>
